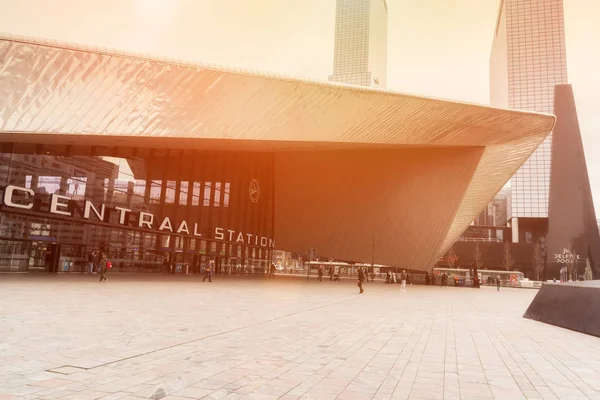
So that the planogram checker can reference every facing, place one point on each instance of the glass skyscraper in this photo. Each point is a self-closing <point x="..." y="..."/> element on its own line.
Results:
<point x="360" y="53"/>
<point x="528" y="60"/>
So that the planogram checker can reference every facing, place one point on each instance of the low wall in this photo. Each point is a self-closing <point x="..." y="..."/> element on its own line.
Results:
<point x="568" y="305"/>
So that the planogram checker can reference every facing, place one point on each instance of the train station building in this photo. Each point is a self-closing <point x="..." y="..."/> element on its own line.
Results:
<point x="149" y="159"/>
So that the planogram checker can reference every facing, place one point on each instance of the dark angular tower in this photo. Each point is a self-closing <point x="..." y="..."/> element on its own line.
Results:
<point x="573" y="237"/>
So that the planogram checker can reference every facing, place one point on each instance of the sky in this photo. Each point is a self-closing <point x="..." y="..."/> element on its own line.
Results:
<point x="437" y="48"/>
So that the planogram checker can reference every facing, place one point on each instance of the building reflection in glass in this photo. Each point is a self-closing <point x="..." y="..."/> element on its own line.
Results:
<point x="207" y="190"/>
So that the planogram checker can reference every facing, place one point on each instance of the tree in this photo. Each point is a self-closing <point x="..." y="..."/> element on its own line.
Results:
<point x="588" y="270"/>
<point x="451" y="258"/>
<point x="508" y="261"/>
<point x="572" y="264"/>
<point x="478" y="261"/>
<point x="538" y="261"/>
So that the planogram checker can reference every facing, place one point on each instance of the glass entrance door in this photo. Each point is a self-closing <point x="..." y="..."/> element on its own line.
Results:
<point x="37" y="256"/>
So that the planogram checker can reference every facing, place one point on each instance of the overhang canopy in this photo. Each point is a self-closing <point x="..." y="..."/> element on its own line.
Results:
<point x="83" y="93"/>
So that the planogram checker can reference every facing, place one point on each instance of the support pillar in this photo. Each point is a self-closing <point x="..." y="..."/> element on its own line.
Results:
<point x="515" y="230"/>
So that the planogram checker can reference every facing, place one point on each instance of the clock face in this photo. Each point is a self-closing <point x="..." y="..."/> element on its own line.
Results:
<point x="254" y="191"/>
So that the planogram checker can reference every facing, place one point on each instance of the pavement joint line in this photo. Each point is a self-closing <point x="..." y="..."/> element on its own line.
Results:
<point x="52" y="370"/>
<point x="217" y="334"/>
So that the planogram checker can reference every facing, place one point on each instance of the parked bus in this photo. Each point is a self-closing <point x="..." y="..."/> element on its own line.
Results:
<point x="342" y="269"/>
<point x="462" y="276"/>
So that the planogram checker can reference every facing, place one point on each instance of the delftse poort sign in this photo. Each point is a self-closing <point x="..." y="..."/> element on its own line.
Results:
<point x="59" y="205"/>
<point x="566" y="257"/>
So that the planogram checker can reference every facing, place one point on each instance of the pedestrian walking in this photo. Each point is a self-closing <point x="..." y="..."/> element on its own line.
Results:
<point x="90" y="260"/>
<point x="361" y="279"/>
<point x="96" y="260"/>
<point x="498" y="283"/>
<point x="403" y="281"/>
<point x="272" y="271"/>
<point x="320" y="272"/>
<point x="104" y="265"/>
<point x="208" y="270"/>
<point x="331" y="269"/>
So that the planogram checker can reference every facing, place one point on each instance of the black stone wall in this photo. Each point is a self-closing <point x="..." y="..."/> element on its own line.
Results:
<point x="572" y="228"/>
<point x="573" y="306"/>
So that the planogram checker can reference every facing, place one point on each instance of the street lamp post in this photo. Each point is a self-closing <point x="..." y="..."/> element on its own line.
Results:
<point x="373" y="257"/>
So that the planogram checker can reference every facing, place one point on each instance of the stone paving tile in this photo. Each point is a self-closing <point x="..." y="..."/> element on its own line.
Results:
<point x="51" y="383"/>
<point x="174" y="338"/>
<point x="87" y="395"/>
<point x="8" y="397"/>
<point x="193" y="392"/>
<point x="115" y="396"/>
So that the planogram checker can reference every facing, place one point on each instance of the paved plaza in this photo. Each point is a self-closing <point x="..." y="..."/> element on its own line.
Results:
<point x="173" y="337"/>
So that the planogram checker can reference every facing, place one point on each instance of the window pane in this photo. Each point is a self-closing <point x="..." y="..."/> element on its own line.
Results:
<point x="183" y="193"/>
<point x="207" y="190"/>
<point x="155" y="191"/>
<point x="217" y="201"/>
<point x="140" y="188"/>
<point x="226" y="194"/>
<point x="196" y="194"/>
<point x="48" y="184"/>
<point x="170" y="192"/>
<point x="76" y="186"/>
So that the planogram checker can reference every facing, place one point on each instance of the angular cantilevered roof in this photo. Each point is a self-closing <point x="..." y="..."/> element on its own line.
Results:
<point x="78" y="91"/>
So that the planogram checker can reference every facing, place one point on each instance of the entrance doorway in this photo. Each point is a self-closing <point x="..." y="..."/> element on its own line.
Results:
<point x="37" y="256"/>
<point x="52" y="257"/>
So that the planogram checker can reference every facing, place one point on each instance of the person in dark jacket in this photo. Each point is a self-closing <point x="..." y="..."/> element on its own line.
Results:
<point x="102" y="264"/>
<point x="403" y="281"/>
<point x="498" y="283"/>
<point x="361" y="279"/>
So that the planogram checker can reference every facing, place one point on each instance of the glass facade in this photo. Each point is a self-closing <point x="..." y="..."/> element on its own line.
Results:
<point x="528" y="60"/>
<point x="360" y="49"/>
<point x="147" y="209"/>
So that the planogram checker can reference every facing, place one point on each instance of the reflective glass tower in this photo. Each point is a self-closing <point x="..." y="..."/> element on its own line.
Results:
<point x="360" y="52"/>
<point x="528" y="60"/>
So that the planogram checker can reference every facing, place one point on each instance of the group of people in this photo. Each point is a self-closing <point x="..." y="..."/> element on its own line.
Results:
<point x="333" y="276"/>
<point x="390" y="277"/>
<point x="97" y="262"/>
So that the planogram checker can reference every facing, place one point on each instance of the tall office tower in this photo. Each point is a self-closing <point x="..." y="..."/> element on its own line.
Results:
<point x="360" y="53"/>
<point x="527" y="61"/>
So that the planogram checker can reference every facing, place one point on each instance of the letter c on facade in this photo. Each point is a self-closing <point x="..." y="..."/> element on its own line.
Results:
<point x="8" y="195"/>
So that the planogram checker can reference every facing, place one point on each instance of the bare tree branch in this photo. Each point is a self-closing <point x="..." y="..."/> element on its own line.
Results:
<point x="538" y="261"/>
<point x="508" y="261"/>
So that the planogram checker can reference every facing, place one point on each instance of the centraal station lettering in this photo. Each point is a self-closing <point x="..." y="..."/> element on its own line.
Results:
<point x="59" y="205"/>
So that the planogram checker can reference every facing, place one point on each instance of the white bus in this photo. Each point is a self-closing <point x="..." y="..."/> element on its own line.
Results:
<point x="342" y="269"/>
<point x="462" y="276"/>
